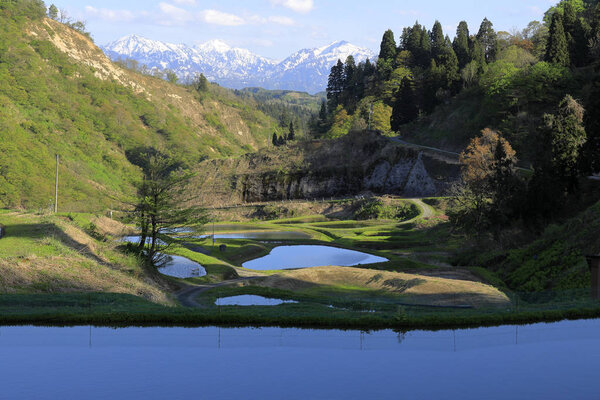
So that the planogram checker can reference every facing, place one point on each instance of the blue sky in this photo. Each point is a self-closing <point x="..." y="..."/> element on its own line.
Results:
<point x="277" y="28"/>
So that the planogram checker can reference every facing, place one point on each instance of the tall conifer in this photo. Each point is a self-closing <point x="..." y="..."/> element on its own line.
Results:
<point x="557" y="50"/>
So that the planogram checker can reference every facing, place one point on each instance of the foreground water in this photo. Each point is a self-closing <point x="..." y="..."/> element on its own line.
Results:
<point x="250" y="300"/>
<point x="307" y="256"/>
<point x="542" y="361"/>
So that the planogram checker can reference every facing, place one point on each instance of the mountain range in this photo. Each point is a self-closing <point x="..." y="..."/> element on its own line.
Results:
<point x="306" y="70"/>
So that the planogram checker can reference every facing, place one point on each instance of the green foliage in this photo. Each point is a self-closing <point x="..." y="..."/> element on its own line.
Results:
<point x="53" y="12"/>
<point x="201" y="84"/>
<point x="376" y="209"/>
<point x="52" y="105"/>
<point x="171" y="77"/>
<point x="34" y="9"/>
<point x="461" y="44"/>
<point x="387" y="50"/>
<point x="557" y="51"/>
<point x="405" y="108"/>
<point x="555" y="260"/>
<point x="488" y="39"/>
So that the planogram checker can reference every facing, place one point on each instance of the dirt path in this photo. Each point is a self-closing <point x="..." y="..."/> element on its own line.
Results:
<point x="187" y="295"/>
<point x="426" y="210"/>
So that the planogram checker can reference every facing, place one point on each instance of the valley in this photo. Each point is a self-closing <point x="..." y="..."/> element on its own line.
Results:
<point x="443" y="184"/>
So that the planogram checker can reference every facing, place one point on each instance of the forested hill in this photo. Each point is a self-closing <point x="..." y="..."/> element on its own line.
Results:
<point x="442" y="92"/>
<point x="59" y="94"/>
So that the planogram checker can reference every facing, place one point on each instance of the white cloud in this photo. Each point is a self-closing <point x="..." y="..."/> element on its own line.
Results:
<point x="299" y="6"/>
<point x="109" y="15"/>
<point x="282" y="20"/>
<point x="220" y="18"/>
<point x="185" y="2"/>
<point x="172" y="15"/>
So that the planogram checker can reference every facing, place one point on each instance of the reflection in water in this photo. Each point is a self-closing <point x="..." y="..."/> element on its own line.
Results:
<point x="181" y="267"/>
<point x="306" y="256"/>
<point x="263" y="235"/>
<point x="551" y="361"/>
<point x="136" y="239"/>
<point x="250" y="300"/>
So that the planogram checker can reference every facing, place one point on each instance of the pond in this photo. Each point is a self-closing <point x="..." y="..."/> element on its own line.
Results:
<point x="251" y="300"/>
<point x="307" y="256"/>
<point x="181" y="267"/>
<point x="261" y="235"/>
<point x="136" y="239"/>
<point x="542" y="361"/>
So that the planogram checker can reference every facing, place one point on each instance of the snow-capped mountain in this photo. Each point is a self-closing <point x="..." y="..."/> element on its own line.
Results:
<point x="305" y="70"/>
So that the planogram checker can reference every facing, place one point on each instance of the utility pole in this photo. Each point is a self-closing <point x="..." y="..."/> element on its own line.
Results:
<point x="370" y="113"/>
<point x="56" y="186"/>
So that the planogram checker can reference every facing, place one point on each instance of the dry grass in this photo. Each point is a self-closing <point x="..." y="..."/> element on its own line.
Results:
<point x="59" y="257"/>
<point x="419" y="289"/>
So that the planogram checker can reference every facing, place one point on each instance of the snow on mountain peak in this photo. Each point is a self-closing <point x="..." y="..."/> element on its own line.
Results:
<point x="305" y="70"/>
<point x="216" y="45"/>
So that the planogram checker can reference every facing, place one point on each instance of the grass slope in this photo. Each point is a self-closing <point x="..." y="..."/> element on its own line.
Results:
<point x="61" y="95"/>
<point x="54" y="254"/>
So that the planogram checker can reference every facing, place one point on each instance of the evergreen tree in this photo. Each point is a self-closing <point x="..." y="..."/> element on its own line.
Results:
<point x="438" y="42"/>
<point x="335" y="85"/>
<point x="200" y="83"/>
<point x="405" y="107"/>
<point x="388" y="46"/>
<point x="274" y="139"/>
<point x="478" y="54"/>
<point x="488" y="39"/>
<point x="505" y="188"/>
<point x="349" y="90"/>
<point x="448" y="61"/>
<point x="461" y="44"/>
<point x="591" y="150"/>
<point x="579" y="46"/>
<point x="557" y="50"/>
<point x="424" y="49"/>
<point x="291" y="134"/>
<point x="280" y="141"/>
<point x="53" y="12"/>
<point x="569" y="18"/>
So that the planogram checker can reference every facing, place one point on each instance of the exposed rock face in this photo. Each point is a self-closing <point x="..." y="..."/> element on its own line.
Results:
<point x="348" y="166"/>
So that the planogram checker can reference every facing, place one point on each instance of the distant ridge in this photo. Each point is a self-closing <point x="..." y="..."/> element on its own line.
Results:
<point x="306" y="70"/>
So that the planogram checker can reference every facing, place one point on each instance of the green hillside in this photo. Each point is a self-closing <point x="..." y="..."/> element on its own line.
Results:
<point x="61" y="95"/>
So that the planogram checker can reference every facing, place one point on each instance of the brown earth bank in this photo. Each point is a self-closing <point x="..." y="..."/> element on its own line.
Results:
<point x="411" y="288"/>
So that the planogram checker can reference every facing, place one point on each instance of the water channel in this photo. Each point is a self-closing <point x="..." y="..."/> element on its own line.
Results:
<point x="541" y="361"/>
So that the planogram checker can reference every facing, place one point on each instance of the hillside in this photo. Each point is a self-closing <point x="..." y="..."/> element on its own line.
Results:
<point x="61" y="95"/>
<point x="358" y="162"/>
<point x="55" y="254"/>
<point x="555" y="261"/>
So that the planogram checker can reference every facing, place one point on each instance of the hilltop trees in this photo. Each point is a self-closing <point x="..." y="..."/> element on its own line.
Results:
<point x="488" y="40"/>
<point x="436" y="68"/>
<point x="560" y="141"/>
<point x="461" y="44"/>
<point x="489" y="184"/>
<point x="405" y="107"/>
<point x="53" y="12"/>
<point x="557" y="51"/>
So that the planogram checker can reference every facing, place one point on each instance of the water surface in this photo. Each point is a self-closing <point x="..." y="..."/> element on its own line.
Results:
<point x="181" y="267"/>
<point x="307" y="256"/>
<point x="251" y="300"/>
<point x="542" y="361"/>
<point x="261" y="235"/>
<point x="137" y="238"/>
